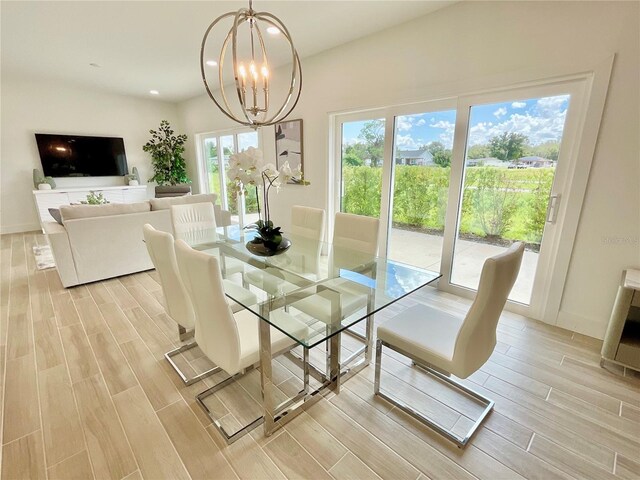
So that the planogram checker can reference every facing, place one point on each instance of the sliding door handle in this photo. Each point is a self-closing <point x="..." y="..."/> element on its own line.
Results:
<point x="552" y="209"/>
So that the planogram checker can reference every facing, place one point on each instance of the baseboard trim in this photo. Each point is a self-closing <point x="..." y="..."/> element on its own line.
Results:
<point x="22" y="228"/>
<point x="587" y="326"/>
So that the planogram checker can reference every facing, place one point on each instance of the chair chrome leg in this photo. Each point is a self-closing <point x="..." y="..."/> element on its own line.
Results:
<point x="459" y="441"/>
<point x="183" y="334"/>
<point x="188" y="381"/>
<point x="216" y="423"/>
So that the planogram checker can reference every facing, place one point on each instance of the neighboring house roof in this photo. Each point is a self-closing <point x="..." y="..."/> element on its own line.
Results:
<point x="413" y="154"/>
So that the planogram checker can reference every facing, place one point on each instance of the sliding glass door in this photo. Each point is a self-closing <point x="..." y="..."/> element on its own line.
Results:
<point x="215" y="152"/>
<point x="512" y="151"/>
<point x="459" y="180"/>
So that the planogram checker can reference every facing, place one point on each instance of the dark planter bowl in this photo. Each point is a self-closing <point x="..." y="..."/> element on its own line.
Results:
<point x="262" y="250"/>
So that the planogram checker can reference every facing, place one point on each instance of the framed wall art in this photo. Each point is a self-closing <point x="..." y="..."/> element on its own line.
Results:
<point x="289" y="145"/>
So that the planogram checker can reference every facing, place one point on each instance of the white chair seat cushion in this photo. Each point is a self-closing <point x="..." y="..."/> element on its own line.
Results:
<point x="237" y="292"/>
<point x="424" y="333"/>
<point x="340" y="299"/>
<point x="250" y="339"/>
<point x="268" y="281"/>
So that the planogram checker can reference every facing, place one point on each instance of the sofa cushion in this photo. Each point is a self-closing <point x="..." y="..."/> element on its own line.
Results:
<point x="165" y="203"/>
<point x="71" y="212"/>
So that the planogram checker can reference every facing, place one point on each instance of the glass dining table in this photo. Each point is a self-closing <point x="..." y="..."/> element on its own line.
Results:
<point x="328" y="290"/>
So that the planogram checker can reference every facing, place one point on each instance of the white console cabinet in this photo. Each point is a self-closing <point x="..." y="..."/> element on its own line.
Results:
<point x="46" y="199"/>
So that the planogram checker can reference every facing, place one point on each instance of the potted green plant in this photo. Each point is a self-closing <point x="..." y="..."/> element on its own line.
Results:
<point x="169" y="166"/>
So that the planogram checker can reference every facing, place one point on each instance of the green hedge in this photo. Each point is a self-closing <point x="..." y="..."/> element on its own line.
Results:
<point x="497" y="202"/>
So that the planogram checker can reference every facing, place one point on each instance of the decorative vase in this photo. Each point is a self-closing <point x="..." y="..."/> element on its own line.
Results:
<point x="268" y="249"/>
<point x="133" y="183"/>
<point x="44" y="186"/>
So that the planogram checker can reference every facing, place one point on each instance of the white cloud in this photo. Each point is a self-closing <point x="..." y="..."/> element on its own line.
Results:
<point x="545" y="122"/>
<point x="406" y="142"/>
<point x="403" y="124"/>
<point x="551" y="106"/>
<point x="538" y="129"/>
<point x="501" y="112"/>
<point x="446" y="137"/>
<point x="407" y="122"/>
<point x="518" y="104"/>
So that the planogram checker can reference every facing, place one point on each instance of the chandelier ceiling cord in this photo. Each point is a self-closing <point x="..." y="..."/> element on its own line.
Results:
<point x="252" y="75"/>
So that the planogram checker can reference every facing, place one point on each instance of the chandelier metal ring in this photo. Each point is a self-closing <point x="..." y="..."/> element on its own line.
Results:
<point x="253" y="113"/>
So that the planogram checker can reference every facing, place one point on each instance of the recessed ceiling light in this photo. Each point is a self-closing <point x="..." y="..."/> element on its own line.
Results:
<point x="212" y="63"/>
<point x="154" y="92"/>
<point x="95" y="65"/>
<point x="273" y="30"/>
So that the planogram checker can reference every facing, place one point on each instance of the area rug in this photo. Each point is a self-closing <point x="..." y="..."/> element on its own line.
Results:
<point x="44" y="257"/>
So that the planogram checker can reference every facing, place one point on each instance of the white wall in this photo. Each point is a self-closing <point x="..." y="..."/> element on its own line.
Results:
<point x="36" y="106"/>
<point x="470" y="43"/>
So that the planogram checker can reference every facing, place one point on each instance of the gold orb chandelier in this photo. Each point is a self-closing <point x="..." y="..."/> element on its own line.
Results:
<point x="251" y="71"/>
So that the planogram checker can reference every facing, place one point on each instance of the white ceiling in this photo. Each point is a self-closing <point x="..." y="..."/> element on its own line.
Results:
<point x="144" y="45"/>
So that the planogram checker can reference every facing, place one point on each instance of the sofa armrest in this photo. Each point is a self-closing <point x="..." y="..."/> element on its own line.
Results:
<point x="61" y="250"/>
<point x="223" y="217"/>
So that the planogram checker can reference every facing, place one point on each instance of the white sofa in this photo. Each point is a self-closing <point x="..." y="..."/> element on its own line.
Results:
<point x="96" y="242"/>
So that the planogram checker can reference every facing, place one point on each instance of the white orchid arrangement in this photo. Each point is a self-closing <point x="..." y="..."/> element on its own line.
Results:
<point x="247" y="169"/>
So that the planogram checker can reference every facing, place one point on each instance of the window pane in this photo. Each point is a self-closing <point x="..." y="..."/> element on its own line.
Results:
<point x="226" y="143"/>
<point x="422" y="157"/>
<point x="247" y="139"/>
<point x="362" y="160"/>
<point x="211" y="164"/>
<point x="511" y="156"/>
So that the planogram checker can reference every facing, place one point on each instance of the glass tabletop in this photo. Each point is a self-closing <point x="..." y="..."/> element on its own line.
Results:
<point x="312" y="291"/>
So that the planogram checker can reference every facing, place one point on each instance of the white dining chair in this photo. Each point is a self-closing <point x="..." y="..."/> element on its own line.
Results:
<point x="307" y="229"/>
<point x="229" y="340"/>
<point x="160" y="246"/>
<point x="307" y="222"/>
<point x="192" y="217"/>
<point x="355" y="244"/>
<point x="195" y="222"/>
<point x="444" y="344"/>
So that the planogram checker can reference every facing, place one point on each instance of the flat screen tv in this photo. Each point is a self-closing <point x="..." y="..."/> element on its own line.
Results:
<point x="81" y="156"/>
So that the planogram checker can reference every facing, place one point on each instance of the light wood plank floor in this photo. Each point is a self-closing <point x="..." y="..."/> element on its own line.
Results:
<point x="86" y="394"/>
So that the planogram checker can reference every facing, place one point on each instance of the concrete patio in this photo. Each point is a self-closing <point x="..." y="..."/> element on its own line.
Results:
<point x="423" y="250"/>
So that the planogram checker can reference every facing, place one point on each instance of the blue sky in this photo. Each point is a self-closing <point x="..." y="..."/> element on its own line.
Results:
<point x="540" y="119"/>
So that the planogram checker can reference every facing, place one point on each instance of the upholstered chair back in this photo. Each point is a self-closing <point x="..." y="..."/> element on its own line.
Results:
<point x="191" y="218"/>
<point x="160" y="247"/>
<point x="307" y="222"/>
<point x="477" y="336"/>
<point x="355" y="240"/>
<point x="216" y="329"/>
